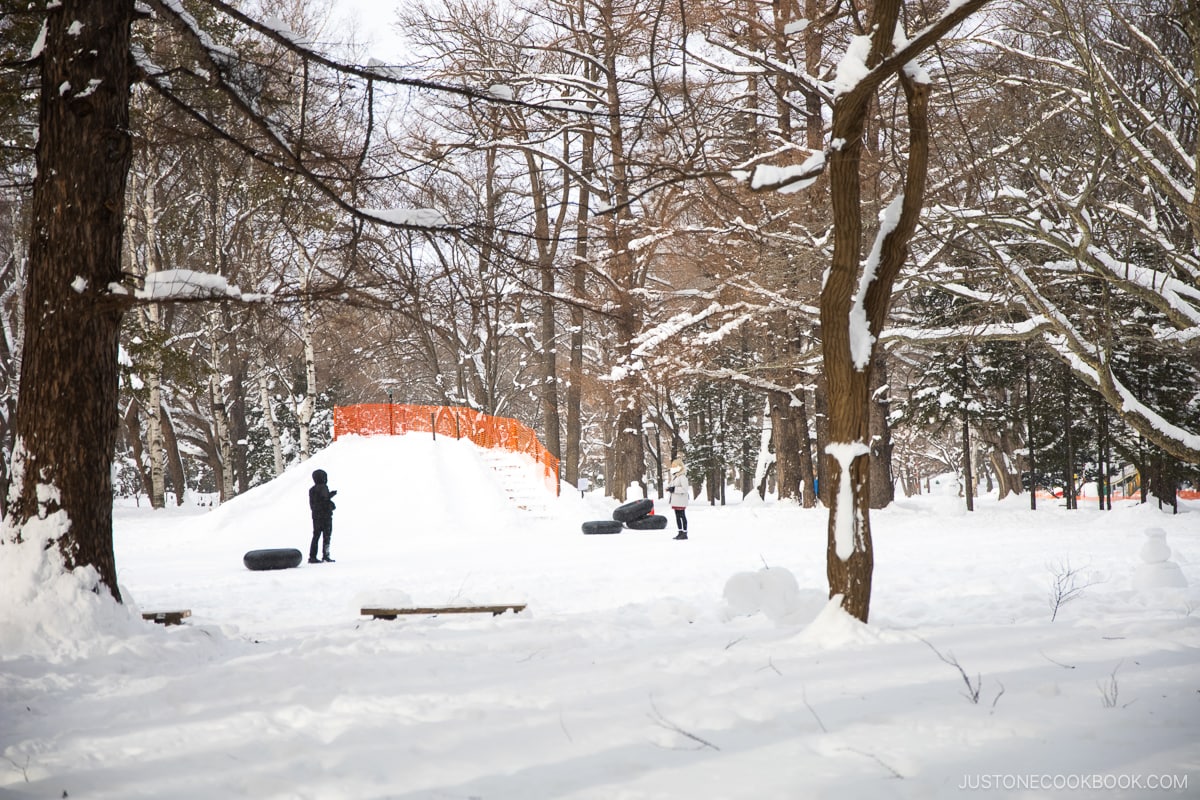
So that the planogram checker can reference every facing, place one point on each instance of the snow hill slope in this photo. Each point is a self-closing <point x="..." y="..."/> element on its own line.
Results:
<point x="401" y="500"/>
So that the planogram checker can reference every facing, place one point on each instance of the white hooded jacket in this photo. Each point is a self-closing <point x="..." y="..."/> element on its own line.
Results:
<point x="679" y="489"/>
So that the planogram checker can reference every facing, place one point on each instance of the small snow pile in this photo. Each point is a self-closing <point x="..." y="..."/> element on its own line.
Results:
<point x="48" y="612"/>
<point x="834" y="628"/>
<point x="1157" y="570"/>
<point x="772" y="591"/>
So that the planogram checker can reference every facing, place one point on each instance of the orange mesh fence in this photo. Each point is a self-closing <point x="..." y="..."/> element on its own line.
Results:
<point x="1183" y="494"/>
<point x="387" y="419"/>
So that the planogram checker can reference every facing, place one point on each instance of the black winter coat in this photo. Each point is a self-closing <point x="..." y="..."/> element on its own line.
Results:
<point x="320" y="499"/>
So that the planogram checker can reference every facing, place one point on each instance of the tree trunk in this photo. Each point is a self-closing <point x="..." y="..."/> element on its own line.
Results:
<point x="133" y="433"/>
<point x="854" y="305"/>
<point x="223" y="467"/>
<point x="67" y="404"/>
<point x="1004" y="464"/>
<point x="981" y="469"/>
<point x="268" y="412"/>
<point x="747" y="476"/>
<point x="628" y="456"/>
<point x="883" y="487"/>
<point x="807" y="476"/>
<point x="174" y="460"/>
<point x="1031" y="445"/>
<point x="1069" y="466"/>
<point x="821" y="423"/>
<point x="154" y="435"/>
<point x="793" y="446"/>
<point x="968" y="478"/>
<point x="546" y="239"/>
<point x="787" y="446"/>
<point x="814" y="126"/>
<point x="151" y="319"/>
<point x="239" y="428"/>
<point x="308" y="403"/>
<point x="579" y="290"/>
<point x="551" y="423"/>
<point x="1103" y="481"/>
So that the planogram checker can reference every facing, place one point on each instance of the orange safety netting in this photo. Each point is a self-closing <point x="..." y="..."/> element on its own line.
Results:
<point x="1183" y="494"/>
<point x="374" y="419"/>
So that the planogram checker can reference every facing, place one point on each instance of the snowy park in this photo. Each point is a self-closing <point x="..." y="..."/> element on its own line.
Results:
<point x="795" y="261"/>
<point x="1010" y="652"/>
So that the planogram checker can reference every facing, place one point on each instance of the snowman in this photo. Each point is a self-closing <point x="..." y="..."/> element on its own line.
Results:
<point x="1157" y="570"/>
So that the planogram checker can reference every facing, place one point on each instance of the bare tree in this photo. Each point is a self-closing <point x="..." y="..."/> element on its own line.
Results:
<point x="857" y="291"/>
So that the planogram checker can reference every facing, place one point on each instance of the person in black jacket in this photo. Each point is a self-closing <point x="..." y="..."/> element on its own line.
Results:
<point x="320" y="500"/>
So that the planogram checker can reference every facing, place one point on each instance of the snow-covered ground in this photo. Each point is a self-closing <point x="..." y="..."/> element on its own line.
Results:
<point x="642" y="668"/>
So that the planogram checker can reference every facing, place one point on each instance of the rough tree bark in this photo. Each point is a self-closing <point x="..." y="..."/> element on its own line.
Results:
<point x="793" y="446"/>
<point x="67" y="414"/>
<point x="787" y="445"/>
<point x="883" y="487"/>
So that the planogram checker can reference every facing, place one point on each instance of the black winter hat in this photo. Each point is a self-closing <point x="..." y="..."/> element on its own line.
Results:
<point x="319" y="476"/>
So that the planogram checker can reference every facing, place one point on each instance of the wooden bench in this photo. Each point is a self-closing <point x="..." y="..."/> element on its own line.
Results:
<point x="392" y="613"/>
<point x="167" y="617"/>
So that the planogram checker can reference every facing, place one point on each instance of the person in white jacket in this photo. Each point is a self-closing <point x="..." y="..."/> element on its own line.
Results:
<point x="678" y="496"/>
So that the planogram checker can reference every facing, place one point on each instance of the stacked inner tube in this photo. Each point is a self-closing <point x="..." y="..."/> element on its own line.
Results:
<point x="637" y="515"/>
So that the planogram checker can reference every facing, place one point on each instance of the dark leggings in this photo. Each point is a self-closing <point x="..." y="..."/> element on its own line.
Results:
<point x="681" y="520"/>
<point x="321" y="529"/>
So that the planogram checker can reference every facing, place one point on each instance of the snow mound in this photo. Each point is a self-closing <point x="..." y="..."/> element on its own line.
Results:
<point x="48" y="612"/>
<point x="772" y="591"/>
<point x="834" y="628"/>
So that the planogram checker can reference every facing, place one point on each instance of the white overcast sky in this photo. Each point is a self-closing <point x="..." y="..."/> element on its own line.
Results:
<point x="374" y="21"/>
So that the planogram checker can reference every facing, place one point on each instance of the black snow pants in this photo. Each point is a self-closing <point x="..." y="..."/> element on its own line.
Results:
<point x="322" y="529"/>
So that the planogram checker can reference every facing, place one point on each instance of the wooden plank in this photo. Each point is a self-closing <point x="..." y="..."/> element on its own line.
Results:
<point x="392" y="613"/>
<point x="167" y="617"/>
